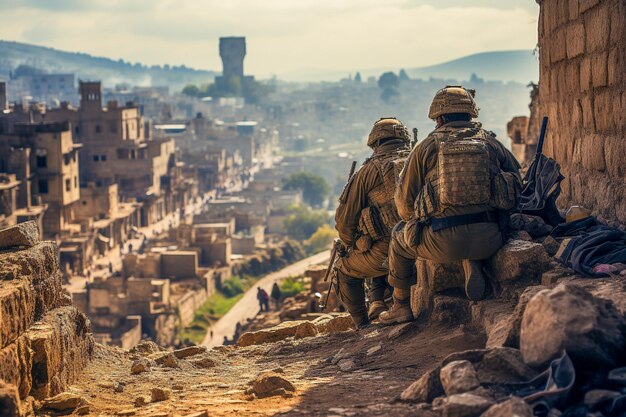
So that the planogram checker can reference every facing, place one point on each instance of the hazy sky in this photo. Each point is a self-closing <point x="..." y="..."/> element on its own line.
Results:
<point x="282" y="35"/>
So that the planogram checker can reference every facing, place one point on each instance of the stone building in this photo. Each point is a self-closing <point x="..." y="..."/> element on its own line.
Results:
<point x="582" y="50"/>
<point x="53" y="161"/>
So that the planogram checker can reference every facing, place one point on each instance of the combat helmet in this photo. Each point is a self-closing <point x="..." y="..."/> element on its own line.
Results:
<point x="453" y="99"/>
<point x="387" y="127"/>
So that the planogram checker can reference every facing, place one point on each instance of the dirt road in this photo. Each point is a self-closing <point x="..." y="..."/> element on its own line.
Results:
<point x="248" y="306"/>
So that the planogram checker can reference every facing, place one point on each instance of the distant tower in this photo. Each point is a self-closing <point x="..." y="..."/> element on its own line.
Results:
<point x="3" y="96"/>
<point x="232" y="52"/>
<point x="90" y="94"/>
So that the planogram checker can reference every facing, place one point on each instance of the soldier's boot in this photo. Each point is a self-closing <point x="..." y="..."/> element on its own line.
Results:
<point x="351" y="293"/>
<point x="377" y="297"/>
<point x="400" y="311"/>
<point x="474" y="279"/>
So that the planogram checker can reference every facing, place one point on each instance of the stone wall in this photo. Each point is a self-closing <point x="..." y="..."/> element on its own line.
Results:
<point x="44" y="341"/>
<point x="582" y="50"/>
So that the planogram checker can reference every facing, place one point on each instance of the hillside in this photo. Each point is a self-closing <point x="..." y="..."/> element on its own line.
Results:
<point x="89" y="67"/>
<point x="520" y="66"/>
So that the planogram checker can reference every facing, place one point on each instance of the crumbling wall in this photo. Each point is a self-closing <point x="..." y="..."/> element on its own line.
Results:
<point x="582" y="88"/>
<point x="44" y="341"/>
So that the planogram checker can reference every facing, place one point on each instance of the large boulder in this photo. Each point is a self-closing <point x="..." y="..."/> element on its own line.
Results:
<point x="297" y="328"/>
<point x="22" y="234"/>
<point x="511" y="334"/>
<point x="458" y="377"/>
<point x="514" y="407"/>
<point x="569" y="318"/>
<point x="10" y="404"/>
<point x="519" y="259"/>
<point x="465" y="405"/>
<point x="425" y="389"/>
<point x="268" y="384"/>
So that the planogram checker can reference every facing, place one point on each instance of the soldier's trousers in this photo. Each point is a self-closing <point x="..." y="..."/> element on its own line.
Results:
<point x="473" y="241"/>
<point x="353" y="270"/>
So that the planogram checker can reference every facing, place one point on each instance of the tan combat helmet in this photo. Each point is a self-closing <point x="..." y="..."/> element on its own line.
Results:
<point x="453" y="99"/>
<point x="387" y="127"/>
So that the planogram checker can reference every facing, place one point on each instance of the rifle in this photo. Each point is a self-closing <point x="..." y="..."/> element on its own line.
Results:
<point x="414" y="141"/>
<point x="337" y="249"/>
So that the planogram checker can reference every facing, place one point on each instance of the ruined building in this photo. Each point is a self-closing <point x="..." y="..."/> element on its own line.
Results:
<point x="233" y="52"/>
<point x="582" y="47"/>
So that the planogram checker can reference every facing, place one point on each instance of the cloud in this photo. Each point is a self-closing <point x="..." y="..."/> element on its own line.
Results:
<point x="283" y="35"/>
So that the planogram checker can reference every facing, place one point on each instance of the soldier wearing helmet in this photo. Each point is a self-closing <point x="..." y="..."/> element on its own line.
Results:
<point x="454" y="196"/>
<point x="364" y="219"/>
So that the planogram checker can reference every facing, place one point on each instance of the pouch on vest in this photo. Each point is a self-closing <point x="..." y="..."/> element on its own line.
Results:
<point x="463" y="171"/>
<point x="369" y="223"/>
<point x="505" y="191"/>
<point x="426" y="202"/>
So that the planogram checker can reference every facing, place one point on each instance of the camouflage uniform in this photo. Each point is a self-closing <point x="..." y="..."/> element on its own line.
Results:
<point x="364" y="218"/>
<point x="414" y="236"/>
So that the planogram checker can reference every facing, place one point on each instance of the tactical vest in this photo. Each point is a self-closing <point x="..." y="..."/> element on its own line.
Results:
<point x="467" y="174"/>
<point x="381" y="215"/>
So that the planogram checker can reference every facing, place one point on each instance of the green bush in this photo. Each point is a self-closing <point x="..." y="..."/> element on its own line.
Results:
<point x="302" y="221"/>
<point x="321" y="240"/>
<point x="291" y="286"/>
<point x="232" y="286"/>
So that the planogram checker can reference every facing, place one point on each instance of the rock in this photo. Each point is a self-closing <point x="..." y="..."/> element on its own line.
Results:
<point x="514" y="407"/>
<point x="83" y="410"/>
<point x="189" y="351"/>
<point x="347" y="365"/>
<point x="519" y="259"/>
<point x="268" y="384"/>
<point x="22" y="234"/>
<point x="160" y="394"/>
<point x="503" y="366"/>
<point x="341" y="354"/>
<point x="399" y="330"/>
<point x="139" y="402"/>
<point x="458" y="377"/>
<point x="10" y="404"/>
<point x="551" y="277"/>
<point x="198" y="414"/>
<point x="482" y="392"/>
<point x="425" y="389"/>
<point x="128" y="412"/>
<point x="551" y="245"/>
<point x="514" y="325"/>
<point x="465" y="405"/>
<point x="147" y="347"/>
<point x="373" y="350"/>
<point x="118" y="388"/>
<point x="141" y="365"/>
<point x="64" y="401"/>
<point x="166" y="359"/>
<point x="306" y="329"/>
<point x="569" y="318"/>
<point x="336" y="324"/>
<point x="521" y="235"/>
<point x="203" y="362"/>
<point x="447" y="309"/>
<point x="284" y="330"/>
<point x="595" y="396"/>
<point x="178" y="387"/>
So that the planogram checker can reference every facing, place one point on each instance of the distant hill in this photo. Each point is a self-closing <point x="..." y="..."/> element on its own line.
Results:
<point x="519" y="65"/>
<point x="88" y="67"/>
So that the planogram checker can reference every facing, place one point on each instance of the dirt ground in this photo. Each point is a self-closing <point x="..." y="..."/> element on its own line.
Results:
<point x="385" y="366"/>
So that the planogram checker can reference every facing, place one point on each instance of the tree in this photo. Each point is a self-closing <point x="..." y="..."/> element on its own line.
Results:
<point x="357" y="78"/>
<point x="321" y="239"/>
<point x="388" y="82"/>
<point x="403" y="76"/>
<point x="191" y="90"/>
<point x="314" y="188"/>
<point x="302" y="221"/>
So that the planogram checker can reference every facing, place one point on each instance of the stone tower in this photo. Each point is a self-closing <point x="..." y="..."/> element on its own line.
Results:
<point x="90" y="94"/>
<point x="3" y="96"/>
<point x="232" y="52"/>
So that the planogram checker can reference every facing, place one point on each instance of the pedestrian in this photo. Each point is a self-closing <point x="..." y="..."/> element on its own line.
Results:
<point x="260" y="298"/>
<point x="364" y="219"/>
<point x="276" y="294"/>
<point x="211" y="333"/>
<point x="454" y="195"/>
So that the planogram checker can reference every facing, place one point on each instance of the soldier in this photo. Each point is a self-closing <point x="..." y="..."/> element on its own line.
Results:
<point x="364" y="219"/>
<point x="454" y="196"/>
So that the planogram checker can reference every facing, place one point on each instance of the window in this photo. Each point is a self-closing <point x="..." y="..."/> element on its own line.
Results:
<point x="67" y="158"/>
<point x="96" y="158"/>
<point x="75" y="181"/>
<point x="77" y="129"/>
<point x="98" y="129"/>
<point x="42" y="161"/>
<point x="103" y="158"/>
<point x="42" y="185"/>
<point x="68" y="185"/>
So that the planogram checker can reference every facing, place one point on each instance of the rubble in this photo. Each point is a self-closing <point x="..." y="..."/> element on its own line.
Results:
<point x="514" y="407"/>
<point x="569" y="318"/>
<point x="517" y="259"/>
<point x="458" y="377"/>
<point x="189" y="351"/>
<point x="22" y="234"/>
<point x="160" y="394"/>
<point x="63" y="402"/>
<point x="465" y="405"/>
<point x="268" y="384"/>
<point x="425" y="389"/>
<point x="141" y="365"/>
<point x="297" y="329"/>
